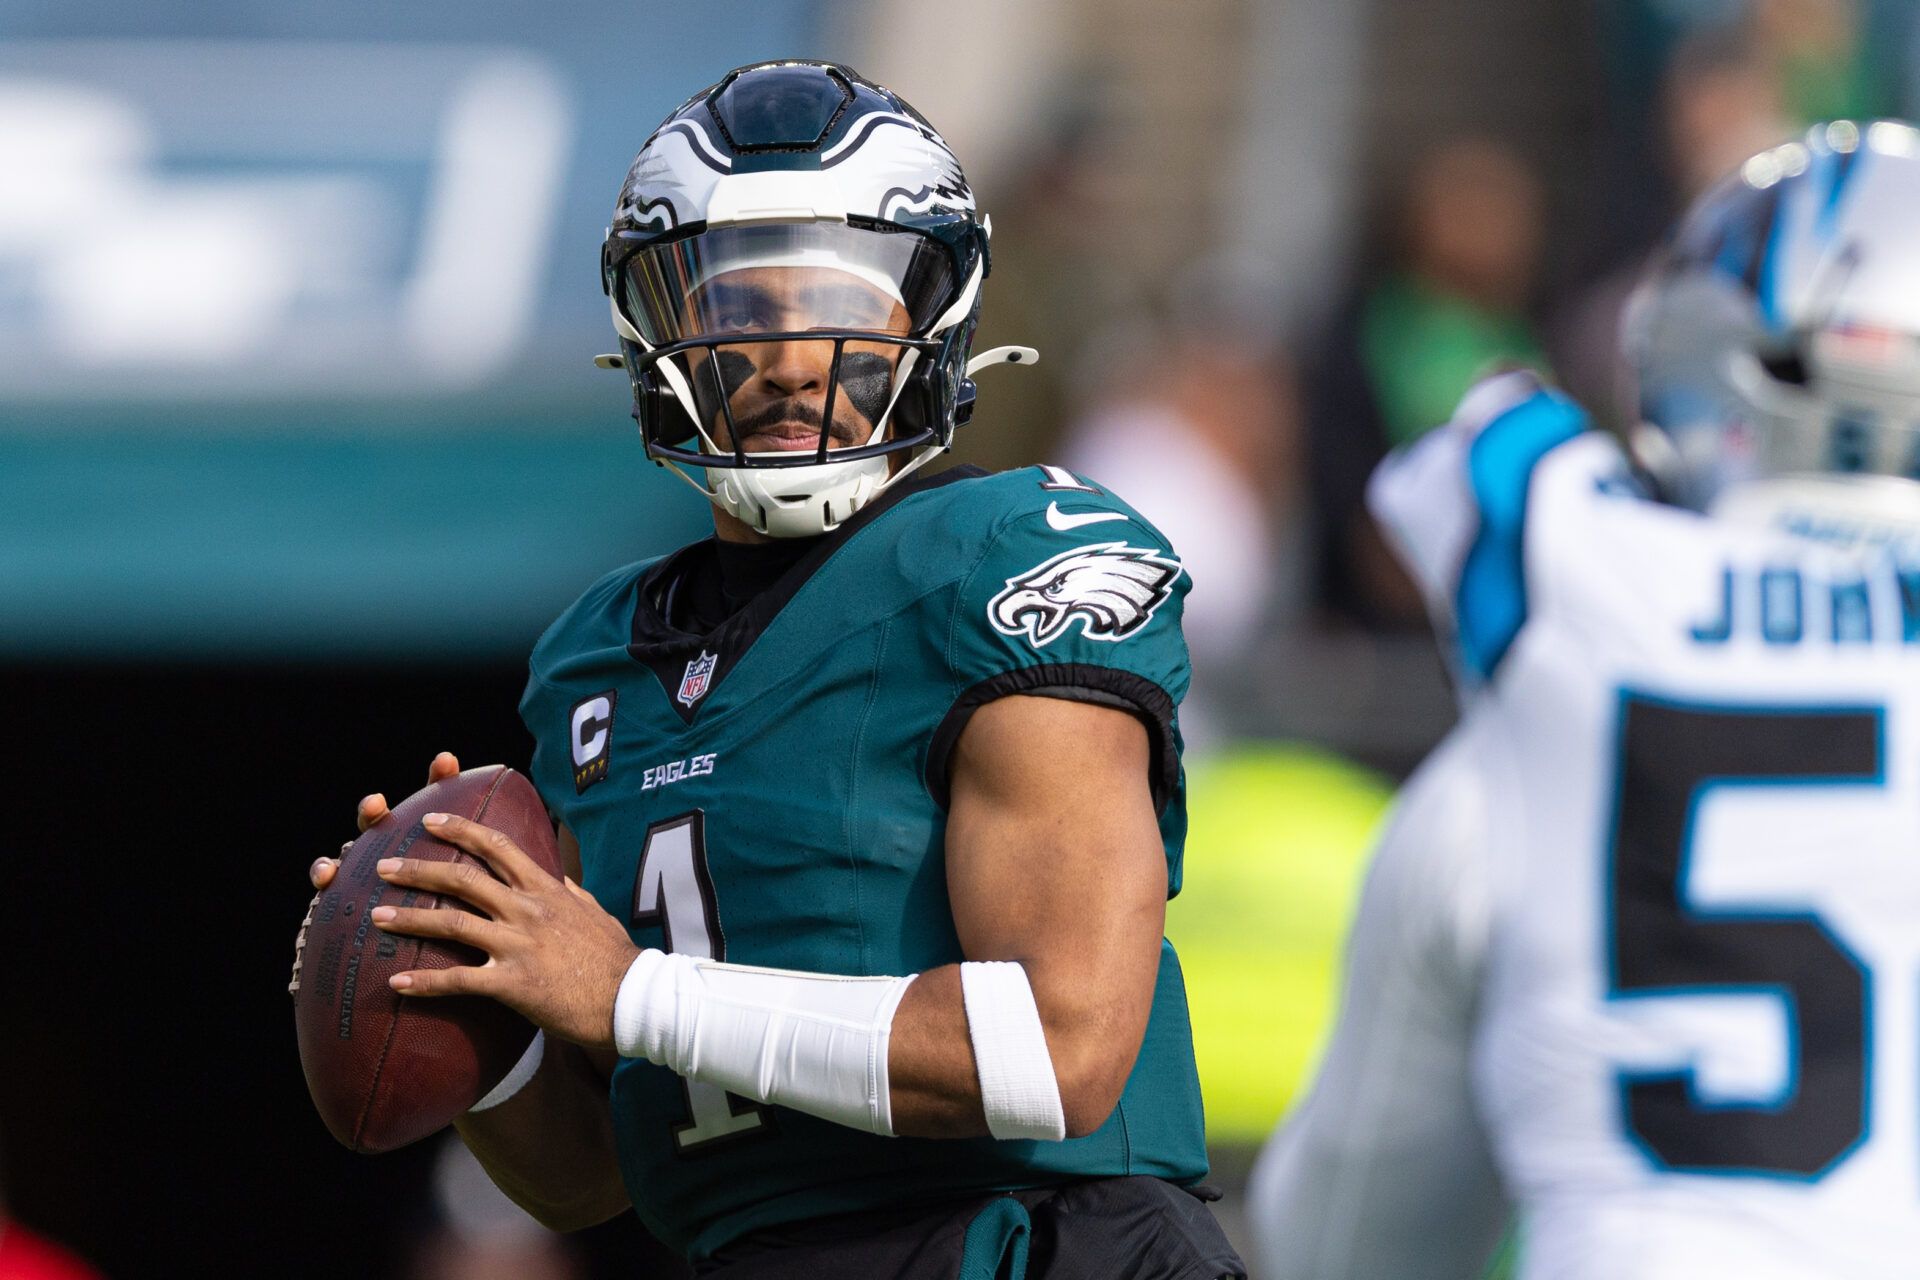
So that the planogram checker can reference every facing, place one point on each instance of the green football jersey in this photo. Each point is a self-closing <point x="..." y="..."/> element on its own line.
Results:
<point x="774" y="793"/>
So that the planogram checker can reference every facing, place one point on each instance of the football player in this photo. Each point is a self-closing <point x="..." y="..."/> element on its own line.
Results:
<point x="1639" y="955"/>
<point x="875" y="795"/>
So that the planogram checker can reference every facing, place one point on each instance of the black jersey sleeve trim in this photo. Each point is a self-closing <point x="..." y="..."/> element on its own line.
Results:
<point x="1074" y="682"/>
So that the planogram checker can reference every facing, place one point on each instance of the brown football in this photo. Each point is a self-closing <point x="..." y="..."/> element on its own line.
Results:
<point x="386" y="1070"/>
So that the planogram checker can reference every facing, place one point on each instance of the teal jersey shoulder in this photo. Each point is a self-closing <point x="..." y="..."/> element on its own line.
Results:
<point x="600" y="620"/>
<point x="773" y="793"/>
<point x="1073" y="594"/>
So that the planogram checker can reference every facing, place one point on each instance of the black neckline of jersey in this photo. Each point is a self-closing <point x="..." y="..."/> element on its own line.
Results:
<point x="669" y="652"/>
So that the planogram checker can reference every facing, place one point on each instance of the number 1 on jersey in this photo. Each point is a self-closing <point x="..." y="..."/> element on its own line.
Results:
<point x="674" y="890"/>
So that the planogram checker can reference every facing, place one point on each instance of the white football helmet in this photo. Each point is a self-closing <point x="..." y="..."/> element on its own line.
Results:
<point x="797" y="215"/>
<point x="1776" y="345"/>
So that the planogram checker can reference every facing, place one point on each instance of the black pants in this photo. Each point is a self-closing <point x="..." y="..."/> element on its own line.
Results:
<point x="1111" y="1229"/>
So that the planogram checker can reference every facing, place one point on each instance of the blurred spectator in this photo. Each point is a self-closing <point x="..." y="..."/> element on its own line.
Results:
<point x="1821" y="58"/>
<point x="1808" y="60"/>
<point x="1471" y="227"/>
<point x="1053" y="277"/>
<point x="1450" y="303"/>
<point x="1721" y="102"/>
<point x="1193" y="421"/>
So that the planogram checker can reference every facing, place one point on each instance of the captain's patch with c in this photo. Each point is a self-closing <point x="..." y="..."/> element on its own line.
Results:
<point x="591" y="733"/>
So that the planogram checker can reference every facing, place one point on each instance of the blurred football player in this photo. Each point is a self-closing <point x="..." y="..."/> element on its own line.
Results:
<point x="1639" y="955"/>
<point x="876" y="794"/>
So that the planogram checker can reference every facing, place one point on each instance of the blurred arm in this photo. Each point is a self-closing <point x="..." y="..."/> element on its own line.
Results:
<point x="1384" y="1170"/>
<point x="550" y="1146"/>
<point x="1454" y="507"/>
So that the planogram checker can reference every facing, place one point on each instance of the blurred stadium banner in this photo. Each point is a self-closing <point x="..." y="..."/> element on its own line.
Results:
<point x="296" y="322"/>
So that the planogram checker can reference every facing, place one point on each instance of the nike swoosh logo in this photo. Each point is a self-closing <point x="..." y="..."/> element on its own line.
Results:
<point x="1060" y="520"/>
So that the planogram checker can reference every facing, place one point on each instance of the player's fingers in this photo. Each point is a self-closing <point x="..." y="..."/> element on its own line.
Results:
<point x="460" y="980"/>
<point x="444" y="765"/>
<point x="463" y="880"/>
<point x="506" y="858"/>
<point x="457" y="926"/>
<point x="322" y="872"/>
<point x="372" y="809"/>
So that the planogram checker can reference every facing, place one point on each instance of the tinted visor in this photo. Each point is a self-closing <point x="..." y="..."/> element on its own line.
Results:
<point x="784" y="278"/>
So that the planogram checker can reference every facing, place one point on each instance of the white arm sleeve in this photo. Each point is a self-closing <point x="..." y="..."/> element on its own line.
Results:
<point x="818" y="1042"/>
<point x="1383" y="1171"/>
<point x="815" y="1042"/>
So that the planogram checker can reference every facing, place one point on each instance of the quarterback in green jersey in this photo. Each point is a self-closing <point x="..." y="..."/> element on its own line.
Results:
<point x="875" y="796"/>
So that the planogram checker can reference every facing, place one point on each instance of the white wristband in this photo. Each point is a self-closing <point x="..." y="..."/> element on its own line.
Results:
<point x="516" y="1079"/>
<point x="1018" y="1090"/>
<point x="811" y="1041"/>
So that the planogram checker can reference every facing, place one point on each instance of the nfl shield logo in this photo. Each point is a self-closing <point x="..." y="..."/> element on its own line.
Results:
<point x="699" y="676"/>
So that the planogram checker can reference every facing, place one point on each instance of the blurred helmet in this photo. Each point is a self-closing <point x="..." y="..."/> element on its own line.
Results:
<point x="1776" y="345"/>
<point x="798" y="225"/>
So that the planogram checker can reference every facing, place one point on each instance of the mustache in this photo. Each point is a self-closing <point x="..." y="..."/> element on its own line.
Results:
<point x="792" y="410"/>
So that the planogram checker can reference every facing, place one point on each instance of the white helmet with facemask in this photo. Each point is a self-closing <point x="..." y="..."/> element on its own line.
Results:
<point x="1776" y="345"/>
<point x="797" y="225"/>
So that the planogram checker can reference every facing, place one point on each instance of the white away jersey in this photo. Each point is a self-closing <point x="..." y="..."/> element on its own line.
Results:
<point x="1650" y="919"/>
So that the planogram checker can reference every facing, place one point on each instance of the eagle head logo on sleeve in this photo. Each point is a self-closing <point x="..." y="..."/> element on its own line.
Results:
<point x="1111" y="588"/>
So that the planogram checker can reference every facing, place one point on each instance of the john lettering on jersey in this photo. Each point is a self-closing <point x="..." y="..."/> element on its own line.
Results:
<point x="771" y="791"/>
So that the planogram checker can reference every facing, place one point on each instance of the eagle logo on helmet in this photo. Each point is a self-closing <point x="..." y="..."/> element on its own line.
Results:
<point x="1110" y="588"/>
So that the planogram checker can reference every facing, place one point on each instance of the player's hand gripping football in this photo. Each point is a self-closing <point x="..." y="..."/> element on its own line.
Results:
<point x="370" y="810"/>
<point x="554" y="956"/>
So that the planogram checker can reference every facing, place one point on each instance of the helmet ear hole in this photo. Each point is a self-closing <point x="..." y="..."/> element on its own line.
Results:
<point x="919" y="408"/>
<point x="662" y="418"/>
<point x="1788" y="365"/>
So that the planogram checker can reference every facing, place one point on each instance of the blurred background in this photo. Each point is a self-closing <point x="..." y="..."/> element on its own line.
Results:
<point x="301" y="446"/>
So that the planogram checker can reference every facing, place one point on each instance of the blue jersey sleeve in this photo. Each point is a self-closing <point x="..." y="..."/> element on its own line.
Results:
<point x="1455" y="506"/>
<point x="1075" y="596"/>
